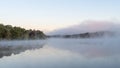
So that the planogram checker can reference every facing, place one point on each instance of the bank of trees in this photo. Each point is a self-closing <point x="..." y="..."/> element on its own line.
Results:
<point x="9" y="32"/>
<point x="96" y="34"/>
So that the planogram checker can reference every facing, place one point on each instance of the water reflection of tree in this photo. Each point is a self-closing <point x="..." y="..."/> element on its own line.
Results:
<point x="9" y="50"/>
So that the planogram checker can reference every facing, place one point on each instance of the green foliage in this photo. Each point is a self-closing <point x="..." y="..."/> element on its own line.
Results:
<point x="9" y="32"/>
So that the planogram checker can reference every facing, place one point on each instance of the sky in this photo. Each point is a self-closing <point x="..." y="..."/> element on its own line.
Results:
<point x="48" y="15"/>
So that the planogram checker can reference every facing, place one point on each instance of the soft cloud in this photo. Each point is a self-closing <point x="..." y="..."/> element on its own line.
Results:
<point x="88" y="26"/>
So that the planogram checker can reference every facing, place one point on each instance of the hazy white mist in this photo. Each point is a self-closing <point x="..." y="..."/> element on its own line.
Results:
<point x="88" y="26"/>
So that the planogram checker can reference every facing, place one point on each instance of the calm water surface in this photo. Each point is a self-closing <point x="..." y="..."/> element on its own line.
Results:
<point x="61" y="53"/>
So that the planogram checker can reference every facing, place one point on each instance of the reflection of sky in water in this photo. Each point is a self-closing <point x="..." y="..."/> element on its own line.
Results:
<point x="90" y="47"/>
<point x="65" y="53"/>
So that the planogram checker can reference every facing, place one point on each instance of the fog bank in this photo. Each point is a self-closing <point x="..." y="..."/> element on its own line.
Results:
<point x="89" y="26"/>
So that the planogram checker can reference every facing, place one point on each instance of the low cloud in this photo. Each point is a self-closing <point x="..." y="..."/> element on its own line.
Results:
<point x="88" y="26"/>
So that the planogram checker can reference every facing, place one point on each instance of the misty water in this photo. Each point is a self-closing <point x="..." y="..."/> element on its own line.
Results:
<point x="61" y="53"/>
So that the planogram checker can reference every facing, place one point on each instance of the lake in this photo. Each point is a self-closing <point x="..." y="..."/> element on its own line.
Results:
<point x="61" y="53"/>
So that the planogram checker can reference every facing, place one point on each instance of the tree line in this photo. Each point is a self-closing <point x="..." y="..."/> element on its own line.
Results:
<point x="85" y="35"/>
<point x="9" y="32"/>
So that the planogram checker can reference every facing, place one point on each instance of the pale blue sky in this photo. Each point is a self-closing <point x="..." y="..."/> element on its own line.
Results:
<point x="53" y="14"/>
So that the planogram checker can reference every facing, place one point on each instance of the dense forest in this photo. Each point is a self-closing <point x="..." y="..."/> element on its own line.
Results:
<point x="9" y="32"/>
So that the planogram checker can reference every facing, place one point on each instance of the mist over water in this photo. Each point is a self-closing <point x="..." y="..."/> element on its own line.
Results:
<point x="7" y="48"/>
<point x="62" y="53"/>
<point x="89" y="26"/>
<point x="98" y="52"/>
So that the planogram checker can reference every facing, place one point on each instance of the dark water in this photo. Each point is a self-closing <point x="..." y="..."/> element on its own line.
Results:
<point x="61" y="53"/>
